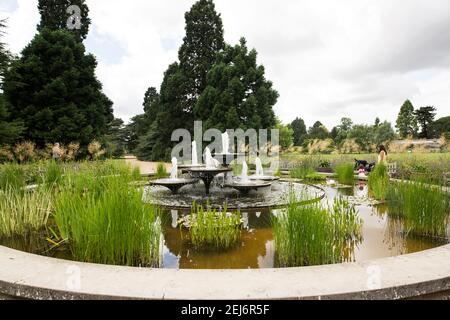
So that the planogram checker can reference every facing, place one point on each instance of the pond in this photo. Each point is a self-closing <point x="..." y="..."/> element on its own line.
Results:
<point x="382" y="237"/>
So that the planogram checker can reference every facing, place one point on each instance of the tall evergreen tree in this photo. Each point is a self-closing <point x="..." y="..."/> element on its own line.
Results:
<point x="203" y="40"/>
<point x="9" y="131"/>
<point x="425" y="117"/>
<point x="238" y="94"/>
<point x="53" y="89"/>
<point x="299" y="128"/>
<point x="406" y="121"/>
<point x="56" y="16"/>
<point x="440" y="127"/>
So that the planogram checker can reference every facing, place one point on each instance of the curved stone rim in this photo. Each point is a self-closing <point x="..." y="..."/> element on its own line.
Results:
<point x="416" y="275"/>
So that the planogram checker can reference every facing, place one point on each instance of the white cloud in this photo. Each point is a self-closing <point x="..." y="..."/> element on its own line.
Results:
<point x="328" y="59"/>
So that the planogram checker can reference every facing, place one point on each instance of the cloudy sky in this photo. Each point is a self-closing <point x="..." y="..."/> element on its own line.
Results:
<point x="328" y="59"/>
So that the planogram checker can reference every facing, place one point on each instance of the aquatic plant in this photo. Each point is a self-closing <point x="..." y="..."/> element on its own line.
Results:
<point x="104" y="220"/>
<point x="12" y="175"/>
<point x="23" y="211"/>
<point x="315" y="233"/>
<point x="211" y="228"/>
<point x="379" y="182"/>
<point x="424" y="207"/>
<point x="345" y="173"/>
<point x="161" y="171"/>
<point x="52" y="174"/>
<point x="305" y="171"/>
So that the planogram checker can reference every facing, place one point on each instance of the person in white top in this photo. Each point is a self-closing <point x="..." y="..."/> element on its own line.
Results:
<point x="382" y="155"/>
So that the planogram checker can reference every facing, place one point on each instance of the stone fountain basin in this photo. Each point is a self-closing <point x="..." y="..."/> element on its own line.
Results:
<point x="264" y="178"/>
<point x="173" y="184"/>
<point x="247" y="186"/>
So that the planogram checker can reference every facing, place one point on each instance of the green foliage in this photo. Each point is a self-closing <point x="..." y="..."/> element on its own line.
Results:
<point x="300" y="133"/>
<point x="286" y="135"/>
<point x="203" y="40"/>
<point x="379" y="182"/>
<point x="318" y="131"/>
<point x="345" y="173"/>
<point x="441" y="127"/>
<point x="23" y="212"/>
<point x="161" y="171"/>
<point x="54" y="16"/>
<point x="315" y="234"/>
<point x="425" y="118"/>
<point x="209" y="228"/>
<point x="104" y="220"/>
<point x="12" y="176"/>
<point x="237" y="93"/>
<point x="306" y="172"/>
<point x="424" y="206"/>
<point x="53" y="90"/>
<point x="116" y="139"/>
<point x="406" y="121"/>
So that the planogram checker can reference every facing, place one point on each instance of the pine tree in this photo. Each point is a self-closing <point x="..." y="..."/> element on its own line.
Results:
<point x="299" y="127"/>
<point x="236" y="85"/>
<point x="318" y="131"/>
<point x="425" y="117"/>
<point x="406" y="121"/>
<point x="203" y="40"/>
<point x="53" y="89"/>
<point x="55" y="16"/>
<point x="9" y="131"/>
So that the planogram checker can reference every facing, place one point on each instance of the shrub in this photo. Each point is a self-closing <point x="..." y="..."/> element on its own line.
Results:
<point x="161" y="171"/>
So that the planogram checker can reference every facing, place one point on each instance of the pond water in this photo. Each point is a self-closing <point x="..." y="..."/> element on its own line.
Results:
<point x="383" y="237"/>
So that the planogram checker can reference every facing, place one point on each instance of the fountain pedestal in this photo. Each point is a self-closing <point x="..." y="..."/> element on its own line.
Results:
<point x="174" y="185"/>
<point x="207" y="175"/>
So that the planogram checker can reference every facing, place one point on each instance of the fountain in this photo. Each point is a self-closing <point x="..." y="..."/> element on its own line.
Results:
<point x="208" y="173"/>
<point x="226" y="157"/>
<point x="245" y="185"/>
<point x="174" y="183"/>
<point x="259" y="174"/>
<point x="194" y="154"/>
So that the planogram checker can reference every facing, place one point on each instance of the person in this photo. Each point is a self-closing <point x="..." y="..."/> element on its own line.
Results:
<point x="382" y="155"/>
<point x="56" y="152"/>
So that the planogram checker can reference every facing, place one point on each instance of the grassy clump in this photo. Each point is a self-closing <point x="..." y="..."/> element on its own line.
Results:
<point x="345" y="174"/>
<point x="424" y="207"/>
<point x="161" y="171"/>
<point x="23" y="212"/>
<point x="379" y="182"/>
<point x="209" y="228"/>
<point x="315" y="234"/>
<point x="306" y="172"/>
<point x="104" y="220"/>
<point x="12" y="176"/>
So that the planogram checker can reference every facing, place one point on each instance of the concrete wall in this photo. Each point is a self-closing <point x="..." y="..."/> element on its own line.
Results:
<point x="420" y="275"/>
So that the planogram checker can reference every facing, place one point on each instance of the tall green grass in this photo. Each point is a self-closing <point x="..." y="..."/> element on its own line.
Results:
<point x="424" y="207"/>
<point x="23" y="212"/>
<point x="12" y="175"/>
<point x="213" y="229"/>
<point x="161" y="171"/>
<point x="379" y="182"/>
<point x="314" y="233"/>
<point x="306" y="171"/>
<point x="104" y="220"/>
<point x="345" y="173"/>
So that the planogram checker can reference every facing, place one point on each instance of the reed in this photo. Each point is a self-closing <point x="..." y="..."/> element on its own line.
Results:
<point x="23" y="212"/>
<point x="104" y="220"/>
<point x="345" y="173"/>
<point x="306" y="172"/>
<point x="161" y="171"/>
<point x="424" y="207"/>
<point x="379" y="182"/>
<point x="213" y="229"/>
<point x="315" y="233"/>
<point x="12" y="175"/>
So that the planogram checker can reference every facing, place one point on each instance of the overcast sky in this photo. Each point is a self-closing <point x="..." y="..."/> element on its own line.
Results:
<point x="328" y="59"/>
